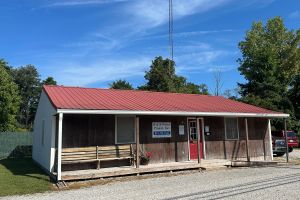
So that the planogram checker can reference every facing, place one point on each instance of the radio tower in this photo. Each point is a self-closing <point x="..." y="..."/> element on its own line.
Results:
<point x="171" y="29"/>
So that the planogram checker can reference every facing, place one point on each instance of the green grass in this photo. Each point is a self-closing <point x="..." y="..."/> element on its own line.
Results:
<point x="22" y="176"/>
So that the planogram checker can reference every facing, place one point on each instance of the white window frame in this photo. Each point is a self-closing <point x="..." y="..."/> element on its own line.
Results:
<point x="237" y="126"/>
<point x="116" y="129"/>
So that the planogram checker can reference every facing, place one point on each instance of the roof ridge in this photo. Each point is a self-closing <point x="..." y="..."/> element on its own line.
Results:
<point x="134" y="90"/>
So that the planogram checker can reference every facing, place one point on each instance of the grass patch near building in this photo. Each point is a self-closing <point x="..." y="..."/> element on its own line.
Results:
<point x="22" y="176"/>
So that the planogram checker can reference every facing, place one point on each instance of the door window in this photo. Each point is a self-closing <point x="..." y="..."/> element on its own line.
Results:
<point x="193" y="130"/>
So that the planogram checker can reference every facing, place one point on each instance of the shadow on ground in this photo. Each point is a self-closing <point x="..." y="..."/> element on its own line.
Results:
<point x="22" y="167"/>
<point x="22" y="176"/>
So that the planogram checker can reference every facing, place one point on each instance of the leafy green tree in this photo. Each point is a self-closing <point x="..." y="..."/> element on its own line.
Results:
<point x="5" y="65"/>
<point x="28" y="81"/>
<point x="9" y="99"/>
<point x="203" y="89"/>
<point x="294" y="96"/>
<point x="49" y="81"/>
<point x="270" y="58"/>
<point x="121" y="84"/>
<point x="162" y="77"/>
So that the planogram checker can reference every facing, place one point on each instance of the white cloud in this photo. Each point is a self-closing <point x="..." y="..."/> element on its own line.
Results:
<point x="192" y="47"/>
<point x="62" y="3"/>
<point x="155" y="12"/>
<point x="202" y="57"/>
<point x="101" y="71"/>
<point x="96" y="41"/>
<point x="184" y="34"/>
<point x="195" y="33"/>
<point x="202" y="61"/>
<point x="222" y="68"/>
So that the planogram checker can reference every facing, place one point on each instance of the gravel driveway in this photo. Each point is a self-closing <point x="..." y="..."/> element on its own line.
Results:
<point x="295" y="154"/>
<point x="279" y="182"/>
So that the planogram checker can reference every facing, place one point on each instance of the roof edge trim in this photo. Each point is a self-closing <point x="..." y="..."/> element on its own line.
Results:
<point x="177" y="113"/>
<point x="49" y="98"/>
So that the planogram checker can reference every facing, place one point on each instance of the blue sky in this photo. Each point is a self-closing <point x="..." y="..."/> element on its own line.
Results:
<point x="93" y="42"/>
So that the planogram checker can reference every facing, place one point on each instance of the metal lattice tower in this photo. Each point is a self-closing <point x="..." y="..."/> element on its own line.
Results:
<point x="171" y="48"/>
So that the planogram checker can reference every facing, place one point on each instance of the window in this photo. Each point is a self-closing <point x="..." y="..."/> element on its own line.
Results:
<point x="43" y="132"/>
<point x="231" y="128"/>
<point x="193" y="130"/>
<point x="125" y="130"/>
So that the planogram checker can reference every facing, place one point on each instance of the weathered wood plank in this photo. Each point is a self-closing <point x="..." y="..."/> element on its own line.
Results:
<point x="78" y="161"/>
<point x="247" y="140"/>
<point x="114" y="148"/>
<point x="131" y="171"/>
<point x="76" y="149"/>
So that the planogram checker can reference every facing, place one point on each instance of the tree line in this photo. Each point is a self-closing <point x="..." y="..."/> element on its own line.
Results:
<point x="20" y="90"/>
<point x="270" y="64"/>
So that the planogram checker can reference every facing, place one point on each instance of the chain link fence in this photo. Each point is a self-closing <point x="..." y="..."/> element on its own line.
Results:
<point x="15" y="144"/>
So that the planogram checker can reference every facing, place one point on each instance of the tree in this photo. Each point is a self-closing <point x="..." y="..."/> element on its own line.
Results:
<point x="49" y="81"/>
<point x="231" y="94"/>
<point x="294" y="96"/>
<point x="227" y="93"/>
<point x="218" y="82"/>
<point x="121" y="84"/>
<point x="28" y="81"/>
<point x="270" y="59"/>
<point x="9" y="100"/>
<point x="5" y="65"/>
<point x="203" y="89"/>
<point x="162" y="77"/>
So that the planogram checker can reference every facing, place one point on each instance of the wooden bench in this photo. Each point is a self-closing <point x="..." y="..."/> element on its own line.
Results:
<point x="97" y="154"/>
<point x="116" y="152"/>
<point x="79" y="155"/>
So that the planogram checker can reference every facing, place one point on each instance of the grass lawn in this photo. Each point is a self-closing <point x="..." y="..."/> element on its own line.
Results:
<point x="22" y="176"/>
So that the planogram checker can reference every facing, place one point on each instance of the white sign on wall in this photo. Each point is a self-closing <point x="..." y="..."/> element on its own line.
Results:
<point x="206" y="128"/>
<point x="181" y="129"/>
<point x="161" y="129"/>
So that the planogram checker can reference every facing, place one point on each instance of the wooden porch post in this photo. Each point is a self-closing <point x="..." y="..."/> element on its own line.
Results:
<point x="137" y="137"/>
<point x="270" y="138"/>
<point x="247" y="140"/>
<point x="198" y="141"/>
<point x="286" y="142"/>
<point x="59" y="145"/>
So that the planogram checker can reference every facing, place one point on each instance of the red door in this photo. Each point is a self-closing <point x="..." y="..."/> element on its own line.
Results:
<point x="194" y="126"/>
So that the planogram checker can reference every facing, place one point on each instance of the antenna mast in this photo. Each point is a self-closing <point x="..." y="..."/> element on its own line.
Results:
<point x="171" y="29"/>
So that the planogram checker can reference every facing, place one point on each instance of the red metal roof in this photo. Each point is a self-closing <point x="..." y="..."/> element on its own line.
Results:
<point x="133" y="100"/>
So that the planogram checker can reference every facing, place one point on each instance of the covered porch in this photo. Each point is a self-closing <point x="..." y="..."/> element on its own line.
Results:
<point x="100" y="145"/>
<point x="189" y="142"/>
